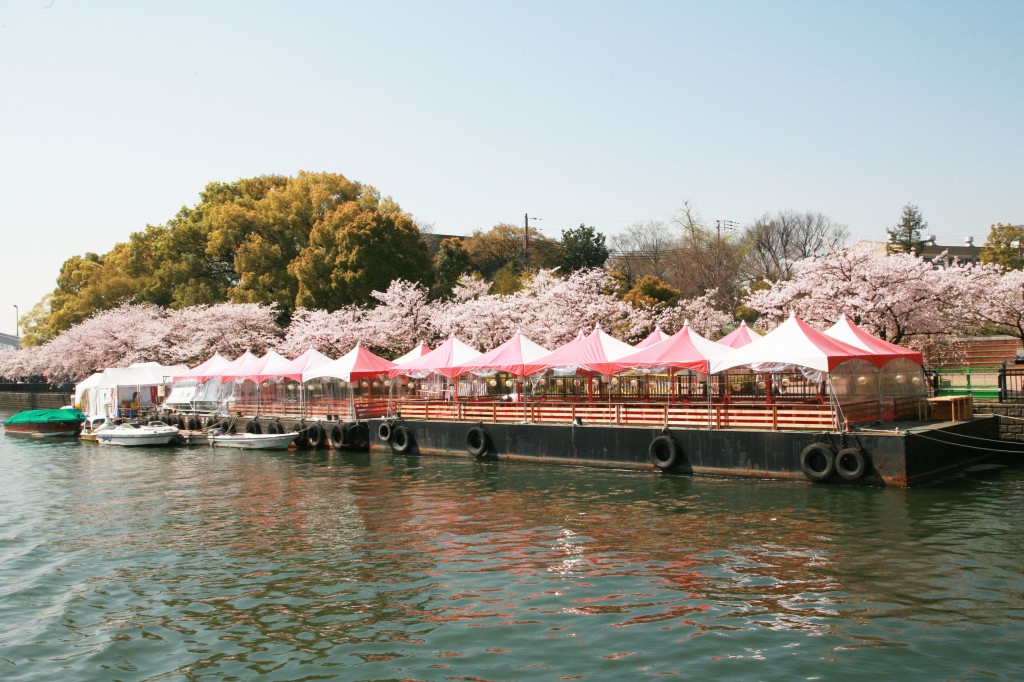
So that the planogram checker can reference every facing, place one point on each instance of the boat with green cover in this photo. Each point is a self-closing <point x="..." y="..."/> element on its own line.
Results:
<point x="64" y="422"/>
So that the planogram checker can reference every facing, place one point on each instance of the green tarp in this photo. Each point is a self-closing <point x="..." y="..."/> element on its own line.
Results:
<point x="38" y="416"/>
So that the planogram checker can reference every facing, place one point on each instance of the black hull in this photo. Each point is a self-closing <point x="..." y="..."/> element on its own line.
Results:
<point x="908" y="457"/>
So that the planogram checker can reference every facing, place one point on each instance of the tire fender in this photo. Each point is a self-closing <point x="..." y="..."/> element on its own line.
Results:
<point x="663" y="452"/>
<point x="850" y="463"/>
<point x="818" y="462"/>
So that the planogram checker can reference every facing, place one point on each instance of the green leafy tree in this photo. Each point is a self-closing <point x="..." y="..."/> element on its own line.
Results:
<point x="35" y="324"/>
<point x="507" y="280"/>
<point x="451" y="262"/>
<point x="906" y="236"/>
<point x="1005" y="246"/>
<point x="354" y="250"/>
<point x="582" y="247"/>
<point x="652" y="292"/>
<point x="274" y="229"/>
<point x="504" y="246"/>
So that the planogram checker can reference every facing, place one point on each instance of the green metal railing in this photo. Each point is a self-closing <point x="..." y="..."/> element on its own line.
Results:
<point x="981" y="382"/>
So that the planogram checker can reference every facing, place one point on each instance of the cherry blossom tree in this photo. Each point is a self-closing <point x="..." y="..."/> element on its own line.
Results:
<point x="701" y="312"/>
<point x="990" y="298"/>
<point x="333" y="334"/>
<point x="895" y="297"/>
<point x="403" y="319"/>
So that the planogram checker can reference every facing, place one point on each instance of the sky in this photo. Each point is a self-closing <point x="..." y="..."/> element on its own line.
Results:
<point x="114" y="115"/>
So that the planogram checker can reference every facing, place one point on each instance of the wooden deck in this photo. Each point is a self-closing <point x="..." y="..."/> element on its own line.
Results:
<point x="800" y="415"/>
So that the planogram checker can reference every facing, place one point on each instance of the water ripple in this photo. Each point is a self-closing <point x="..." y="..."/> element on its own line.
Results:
<point x="200" y="564"/>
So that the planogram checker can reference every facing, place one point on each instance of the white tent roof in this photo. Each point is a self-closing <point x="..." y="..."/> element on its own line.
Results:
<point x="140" y="374"/>
<point x="792" y="343"/>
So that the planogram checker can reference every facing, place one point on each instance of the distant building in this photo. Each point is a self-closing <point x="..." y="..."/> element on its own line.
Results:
<point x="968" y="253"/>
<point x="8" y="342"/>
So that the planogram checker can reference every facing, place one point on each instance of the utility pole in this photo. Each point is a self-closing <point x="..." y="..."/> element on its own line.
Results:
<point x="719" y="226"/>
<point x="526" y="240"/>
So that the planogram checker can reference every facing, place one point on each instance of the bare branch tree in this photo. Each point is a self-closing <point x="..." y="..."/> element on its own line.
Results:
<point x="775" y="241"/>
<point x="644" y="249"/>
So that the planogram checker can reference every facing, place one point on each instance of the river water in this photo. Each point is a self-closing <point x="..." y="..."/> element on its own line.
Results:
<point x="192" y="563"/>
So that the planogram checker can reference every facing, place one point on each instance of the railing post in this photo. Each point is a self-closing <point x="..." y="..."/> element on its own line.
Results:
<point x="1002" y="382"/>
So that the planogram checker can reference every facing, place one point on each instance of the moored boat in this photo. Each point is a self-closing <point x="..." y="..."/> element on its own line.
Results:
<point x="153" y="433"/>
<point x="252" y="441"/>
<point x="64" y="422"/>
<point x="93" y="426"/>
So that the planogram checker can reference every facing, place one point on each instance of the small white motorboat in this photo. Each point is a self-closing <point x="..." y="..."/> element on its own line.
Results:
<point x="252" y="441"/>
<point x="93" y="426"/>
<point x="153" y="433"/>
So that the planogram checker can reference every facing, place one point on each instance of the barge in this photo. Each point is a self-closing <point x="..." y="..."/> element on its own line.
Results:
<point x="890" y="455"/>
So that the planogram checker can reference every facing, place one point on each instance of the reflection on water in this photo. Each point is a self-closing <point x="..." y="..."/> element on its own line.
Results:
<point x="198" y="563"/>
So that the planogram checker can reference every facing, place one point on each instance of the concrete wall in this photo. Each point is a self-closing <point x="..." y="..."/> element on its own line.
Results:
<point x="31" y="401"/>
<point x="1011" y="418"/>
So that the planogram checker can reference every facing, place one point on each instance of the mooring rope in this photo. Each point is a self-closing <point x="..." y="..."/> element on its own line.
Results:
<point x="970" y="437"/>
<point x="1004" y="416"/>
<point x="962" y="445"/>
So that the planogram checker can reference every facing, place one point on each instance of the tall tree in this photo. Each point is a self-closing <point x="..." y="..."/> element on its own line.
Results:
<point x="504" y="246"/>
<point x="582" y="247"/>
<point x="907" y="235"/>
<point x="775" y="241"/>
<point x="644" y="249"/>
<point x="451" y="262"/>
<point x="353" y="251"/>
<point x="1005" y="246"/>
<point x="710" y="258"/>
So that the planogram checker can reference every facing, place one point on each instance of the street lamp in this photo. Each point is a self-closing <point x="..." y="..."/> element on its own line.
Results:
<point x="17" y="333"/>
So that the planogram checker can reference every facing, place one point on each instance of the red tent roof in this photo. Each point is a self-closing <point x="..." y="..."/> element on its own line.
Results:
<point x="739" y="337"/>
<point x="234" y="365"/>
<point x="597" y="352"/>
<point x="358" y="363"/>
<point x="443" y="360"/>
<point x="206" y="369"/>
<point x="419" y="351"/>
<point x="848" y="332"/>
<point x="517" y="356"/>
<point x="794" y="342"/>
<point x="684" y="349"/>
<point x="253" y="369"/>
<point x="655" y="337"/>
<point x="306" y="362"/>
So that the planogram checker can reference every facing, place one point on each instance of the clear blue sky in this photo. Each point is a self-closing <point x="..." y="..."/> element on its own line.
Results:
<point x="114" y="115"/>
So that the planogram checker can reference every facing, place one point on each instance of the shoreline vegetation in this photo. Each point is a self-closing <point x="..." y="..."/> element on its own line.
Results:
<point x="319" y="261"/>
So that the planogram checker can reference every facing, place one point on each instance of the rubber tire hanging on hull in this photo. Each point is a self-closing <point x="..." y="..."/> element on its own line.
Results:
<point x="477" y="441"/>
<point x="818" y="462"/>
<point x="663" y="452"/>
<point x="316" y="436"/>
<point x="385" y="431"/>
<point x="253" y="427"/>
<point x="338" y="437"/>
<point x="302" y="439"/>
<point x="850" y="463"/>
<point x="401" y="440"/>
<point x="357" y="435"/>
<point x="275" y="428"/>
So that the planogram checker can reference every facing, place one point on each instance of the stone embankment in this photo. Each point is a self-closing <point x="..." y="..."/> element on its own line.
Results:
<point x="16" y="401"/>
<point x="1011" y="418"/>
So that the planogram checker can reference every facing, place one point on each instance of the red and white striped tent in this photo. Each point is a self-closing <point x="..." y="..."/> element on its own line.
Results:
<point x="794" y="343"/>
<point x="686" y="349"/>
<point x="516" y="356"/>
<point x="358" y="363"/>
<point x="848" y="332"/>
<point x="597" y="353"/>
<point x="739" y="337"/>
